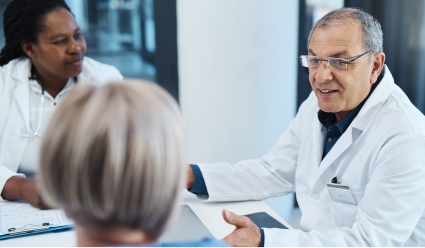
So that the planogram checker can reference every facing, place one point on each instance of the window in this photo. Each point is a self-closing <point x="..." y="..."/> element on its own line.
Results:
<point x="120" y="33"/>
<point x="310" y="12"/>
<point x="138" y="37"/>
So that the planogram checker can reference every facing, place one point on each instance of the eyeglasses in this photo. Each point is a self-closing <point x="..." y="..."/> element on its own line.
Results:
<point x="332" y="63"/>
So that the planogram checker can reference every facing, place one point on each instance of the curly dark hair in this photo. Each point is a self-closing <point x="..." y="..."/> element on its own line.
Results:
<point x="23" y="21"/>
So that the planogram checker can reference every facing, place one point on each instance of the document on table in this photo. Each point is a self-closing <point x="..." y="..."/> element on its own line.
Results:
<point x="211" y="213"/>
<point x="21" y="215"/>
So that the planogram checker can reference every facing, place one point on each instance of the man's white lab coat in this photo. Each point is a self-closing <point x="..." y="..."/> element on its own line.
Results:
<point x="15" y="107"/>
<point x="381" y="156"/>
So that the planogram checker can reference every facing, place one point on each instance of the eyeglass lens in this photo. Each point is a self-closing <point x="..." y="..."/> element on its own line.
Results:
<point x="332" y="63"/>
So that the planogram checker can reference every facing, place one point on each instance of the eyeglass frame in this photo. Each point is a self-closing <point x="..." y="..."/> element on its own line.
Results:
<point x="327" y="60"/>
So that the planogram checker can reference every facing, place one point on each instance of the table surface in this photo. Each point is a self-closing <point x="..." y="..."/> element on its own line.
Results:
<point x="208" y="213"/>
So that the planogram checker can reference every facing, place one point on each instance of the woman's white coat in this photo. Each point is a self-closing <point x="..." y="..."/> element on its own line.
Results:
<point x="15" y="107"/>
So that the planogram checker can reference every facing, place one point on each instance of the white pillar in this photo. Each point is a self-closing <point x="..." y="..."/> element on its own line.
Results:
<point x="237" y="78"/>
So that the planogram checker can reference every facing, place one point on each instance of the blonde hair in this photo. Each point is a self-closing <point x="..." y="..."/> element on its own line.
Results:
<point x="114" y="156"/>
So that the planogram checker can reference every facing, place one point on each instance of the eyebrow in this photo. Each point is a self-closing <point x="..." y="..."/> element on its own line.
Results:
<point x="335" y="55"/>
<point x="60" y="35"/>
<point x="309" y="50"/>
<point x="339" y="54"/>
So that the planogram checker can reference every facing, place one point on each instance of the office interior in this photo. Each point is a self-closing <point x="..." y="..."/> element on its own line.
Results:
<point x="233" y="65"/>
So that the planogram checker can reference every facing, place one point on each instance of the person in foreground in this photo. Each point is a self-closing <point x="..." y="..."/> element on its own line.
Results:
<point x="42" y="60"/>
<point x="357" y="134"/>
<point x="114" y="161"/>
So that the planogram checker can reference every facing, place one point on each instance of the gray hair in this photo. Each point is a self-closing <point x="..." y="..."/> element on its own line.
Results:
<point x="114" y="157"/>
<point x="371" y="29"/>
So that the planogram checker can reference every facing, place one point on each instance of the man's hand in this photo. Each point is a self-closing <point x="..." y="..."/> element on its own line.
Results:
<point x="190" y="178"/>
<point x="246" y="232"/>
<point x="18" y="188"/>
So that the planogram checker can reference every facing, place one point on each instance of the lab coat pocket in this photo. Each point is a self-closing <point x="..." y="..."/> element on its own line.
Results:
<point x="344" y="214"/>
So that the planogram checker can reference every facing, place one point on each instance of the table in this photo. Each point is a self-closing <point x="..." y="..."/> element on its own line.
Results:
<point x="208" y="213"/>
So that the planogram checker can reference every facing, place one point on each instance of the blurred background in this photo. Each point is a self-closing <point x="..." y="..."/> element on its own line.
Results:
<point x="233" y="65"/>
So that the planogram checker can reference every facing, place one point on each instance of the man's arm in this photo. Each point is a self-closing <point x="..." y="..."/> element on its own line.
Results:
<point x="271" y="175"/>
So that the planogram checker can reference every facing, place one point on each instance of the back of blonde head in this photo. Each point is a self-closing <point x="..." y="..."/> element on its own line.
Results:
<point x="114" y="156"/>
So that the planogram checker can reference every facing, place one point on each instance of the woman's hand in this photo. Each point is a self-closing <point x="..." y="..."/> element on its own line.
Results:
<point x="18" y="188"/>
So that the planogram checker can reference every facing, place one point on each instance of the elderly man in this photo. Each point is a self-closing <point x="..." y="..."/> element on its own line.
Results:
<point x="354" y="153"/>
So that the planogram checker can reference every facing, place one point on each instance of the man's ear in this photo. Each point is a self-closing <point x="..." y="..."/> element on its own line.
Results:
<point x="28" y="49"/>
<point x="377" y="65"/>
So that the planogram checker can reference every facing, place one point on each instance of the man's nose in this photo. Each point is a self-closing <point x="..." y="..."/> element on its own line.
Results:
<point x="323" y="73"/>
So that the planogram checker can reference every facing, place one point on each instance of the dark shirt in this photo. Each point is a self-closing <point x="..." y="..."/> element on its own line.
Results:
<point x="334" y="132"/>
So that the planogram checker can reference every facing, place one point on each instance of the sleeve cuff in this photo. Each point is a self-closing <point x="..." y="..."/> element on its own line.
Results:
<point x="262" y="238"/>
<point x="199" y="187"/>
<point x="268" y="243"/>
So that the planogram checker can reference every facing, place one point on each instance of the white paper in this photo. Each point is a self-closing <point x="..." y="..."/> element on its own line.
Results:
<point x="211" y="213"/>
<point x="23" y="215"/>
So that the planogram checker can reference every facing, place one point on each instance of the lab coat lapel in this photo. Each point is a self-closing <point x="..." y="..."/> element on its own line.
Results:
<point x="22" y="97"/>
<point x="375" y="102"/>
<point x="319" y="132"/>
<point x="20" y="75"/>
<point x="341" y="145"/>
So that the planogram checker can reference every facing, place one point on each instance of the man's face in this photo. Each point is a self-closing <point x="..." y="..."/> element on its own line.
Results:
<point x="347" y="88"/>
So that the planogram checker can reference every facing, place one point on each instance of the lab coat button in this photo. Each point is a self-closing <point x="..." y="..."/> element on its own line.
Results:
<point x="316" y="196"/>
<point x="330" y="139"/>
<point x="24" y="130"/>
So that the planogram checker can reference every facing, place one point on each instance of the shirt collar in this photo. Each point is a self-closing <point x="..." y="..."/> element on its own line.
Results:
<point x="35" y="86"/>
<point x="328" y="119"/>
